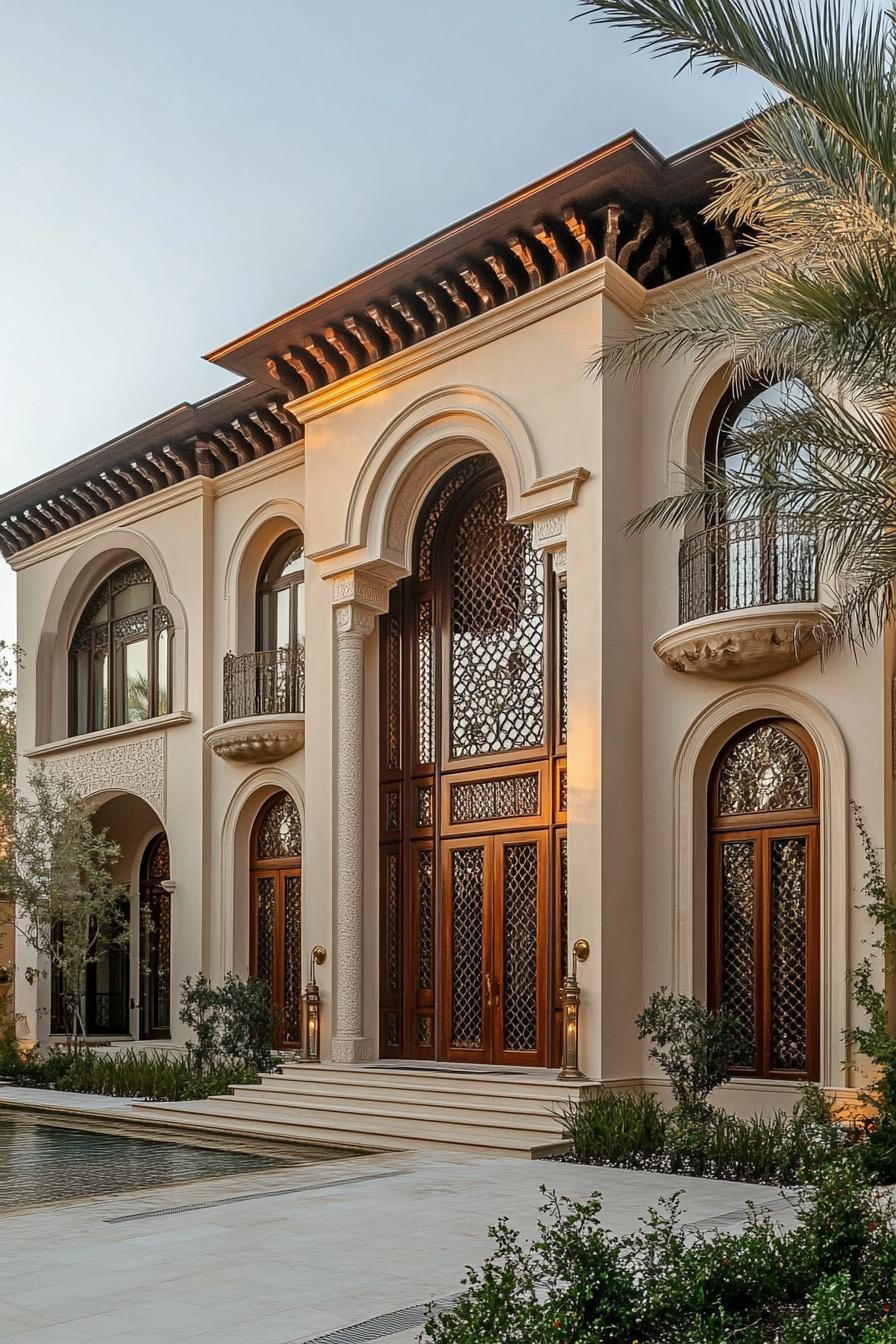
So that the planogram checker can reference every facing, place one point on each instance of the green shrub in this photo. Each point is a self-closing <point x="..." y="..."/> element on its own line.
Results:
<point x="628" y="1130"/>
<point x="152" y="1075"/>
<point x="576" y="1283"/>
<point x="695" y="1046"/>
<point x="233" y="1023"/>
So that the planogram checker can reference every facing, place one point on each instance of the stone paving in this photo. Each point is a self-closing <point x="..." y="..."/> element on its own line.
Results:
<point x="290" y="1255"/>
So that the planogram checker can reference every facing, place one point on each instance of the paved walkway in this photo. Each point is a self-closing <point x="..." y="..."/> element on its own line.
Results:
<point x="296" y="1253"/>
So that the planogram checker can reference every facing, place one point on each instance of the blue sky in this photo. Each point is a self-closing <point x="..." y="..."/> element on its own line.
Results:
<point x="179" y="171"/>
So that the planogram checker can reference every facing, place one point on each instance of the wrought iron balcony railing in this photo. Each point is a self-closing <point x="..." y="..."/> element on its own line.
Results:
<point x="261" y="684"/>
<point x="748" y="562"/>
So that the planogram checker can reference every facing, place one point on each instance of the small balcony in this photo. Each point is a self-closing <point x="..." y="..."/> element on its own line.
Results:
<point x="264" y="706"/>
<point x="747" y="599"/>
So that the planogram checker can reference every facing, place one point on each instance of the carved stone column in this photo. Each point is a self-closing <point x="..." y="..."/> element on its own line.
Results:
<point x="357" y="600"/>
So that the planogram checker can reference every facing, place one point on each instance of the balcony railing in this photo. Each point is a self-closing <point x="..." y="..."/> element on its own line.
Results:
<point x="262" y="684"/>
<point x="748" y="562"/>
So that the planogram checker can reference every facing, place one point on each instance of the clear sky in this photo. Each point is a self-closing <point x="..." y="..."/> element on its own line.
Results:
<point x="176" y="172"/>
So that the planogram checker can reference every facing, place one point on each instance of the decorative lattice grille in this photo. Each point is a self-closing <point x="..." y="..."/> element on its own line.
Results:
<point x="393" y="693"/>
<point x="158" y="867"/>
<point x="493" y="799"/>
<point x="467" y="877"/>
<point x="424" y="805"/>
<point x="497" y="633"/>
<point x="738" y="956"/>
<point x="449" y="487"/>
<point x="393" y="940"/>
<point x="292" y="958"/>
<point x="264" y="931"/>
<point x="280" y="830"/>
<point x="392" y="1031"/>
<point x="520" y="994"/>
<point x="765" y="771"/>
<point x="564" y="907"/>
<point x="564" y="665"/>
<point x="393" y="810"/>
<point x="426" y="709"/>
<point x="424" y="918"/>
<point x="424" y="1031"/>
<point x="563" y="792"/>
<point x="788" y="953"/>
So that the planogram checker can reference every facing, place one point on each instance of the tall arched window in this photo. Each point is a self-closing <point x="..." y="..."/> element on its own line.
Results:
<point x="280" y="607"/>
<point x="763" y="897"/>
<point x="120" y="657"/>
<point x="750" y="557"/>
<point x="275" y="922"/>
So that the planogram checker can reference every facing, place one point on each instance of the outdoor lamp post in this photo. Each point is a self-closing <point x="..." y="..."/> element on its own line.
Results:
<point x="311" y="1011"/>
<point x="571" y="997"/>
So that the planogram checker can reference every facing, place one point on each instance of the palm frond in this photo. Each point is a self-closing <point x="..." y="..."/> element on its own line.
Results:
<point x="809" y="52"/>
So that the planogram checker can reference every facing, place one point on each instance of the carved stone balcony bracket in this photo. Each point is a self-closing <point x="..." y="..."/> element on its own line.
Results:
<point x="258" y="740"/>
<point x="746" y="644"/>
<point x="549" y="537"/>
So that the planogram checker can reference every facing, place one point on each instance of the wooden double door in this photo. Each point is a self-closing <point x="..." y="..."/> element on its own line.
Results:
<point x="495" y="922"/>
<point x="275" y="914"/>
<point x="473" y="792"/>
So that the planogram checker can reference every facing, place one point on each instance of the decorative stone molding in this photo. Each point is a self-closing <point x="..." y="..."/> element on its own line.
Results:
<point x="258" y="740"/>
<point x="549" y="537"/>
<point x="359" y="589"/>
<point x="135" y="766"/>
<point x="746" y="644"/>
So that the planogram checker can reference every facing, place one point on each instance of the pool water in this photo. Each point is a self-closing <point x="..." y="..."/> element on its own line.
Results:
<point x="43" y="1162"/>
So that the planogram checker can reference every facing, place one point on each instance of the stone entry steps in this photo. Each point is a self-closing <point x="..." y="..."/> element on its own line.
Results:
<point x="489" y="1112"/>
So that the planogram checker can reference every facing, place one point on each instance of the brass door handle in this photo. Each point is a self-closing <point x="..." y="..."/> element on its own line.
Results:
<point x="488" y="991"/>
<point x="492" y="992"/>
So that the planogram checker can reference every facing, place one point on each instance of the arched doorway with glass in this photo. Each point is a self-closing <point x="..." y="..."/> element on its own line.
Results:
<point x="473" y="748"/>
<point x="763" y="917"/>
<point x="155" y="941"/>
<point x="275" y="913"/>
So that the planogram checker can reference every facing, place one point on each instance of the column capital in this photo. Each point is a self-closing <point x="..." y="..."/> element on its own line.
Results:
<point x="549" y="538"/>
<point x="359" y="588"/>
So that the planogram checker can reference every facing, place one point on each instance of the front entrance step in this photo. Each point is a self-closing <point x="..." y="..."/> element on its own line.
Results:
<point x="487" y="1111"/>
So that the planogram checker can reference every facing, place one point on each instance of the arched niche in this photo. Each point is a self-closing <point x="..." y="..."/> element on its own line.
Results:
<point x="259" y="533"/>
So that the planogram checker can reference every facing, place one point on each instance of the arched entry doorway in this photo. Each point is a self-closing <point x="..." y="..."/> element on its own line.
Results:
<point x="473" y="751"/>
<point x="155" y="941"/>
<point x="763" y="922"/>
<point x="275" y="914"/>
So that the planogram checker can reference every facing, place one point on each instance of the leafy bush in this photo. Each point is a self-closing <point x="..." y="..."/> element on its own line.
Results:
<point x="829" y="1278"/>
<point x="152" y="1075"/>
<point x="613" y="1129"/>
<point x="875" y="1039"/>
<point x="233" y="1023"/>
<point x="695" y="1046"/>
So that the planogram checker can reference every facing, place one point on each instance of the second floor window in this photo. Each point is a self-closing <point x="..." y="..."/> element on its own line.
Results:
<point x="120" y="658"/>
<point x="280" y="611"/>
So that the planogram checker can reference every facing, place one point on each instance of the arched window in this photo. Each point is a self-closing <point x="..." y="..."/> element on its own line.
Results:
<point x="763" y="906"/>
<point x="120" y="658"/>
<point x="280" y="606"/>
<point x="751" y="557"/>
<point x="275" y="924"/>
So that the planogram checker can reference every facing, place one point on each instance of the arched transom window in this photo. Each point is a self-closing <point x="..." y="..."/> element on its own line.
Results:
<point x="763" y="909"/>
<point x="120" y="657"/>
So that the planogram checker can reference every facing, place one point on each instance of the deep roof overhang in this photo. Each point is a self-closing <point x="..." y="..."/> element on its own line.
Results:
<point x="624" y="201"/>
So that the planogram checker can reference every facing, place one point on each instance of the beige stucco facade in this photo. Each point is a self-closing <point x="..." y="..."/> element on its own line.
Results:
<point x="579" y="456"/>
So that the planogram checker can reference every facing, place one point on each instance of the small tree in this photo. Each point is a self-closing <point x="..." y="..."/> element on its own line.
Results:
<point x="57" y="871"/>
<point x="695" y="1046"/>
<point x="9" y="658"/>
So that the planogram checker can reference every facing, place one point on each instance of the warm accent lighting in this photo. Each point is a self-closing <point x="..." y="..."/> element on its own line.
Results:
<point x="571" y="996"/>
<point x="311" y="1011"/>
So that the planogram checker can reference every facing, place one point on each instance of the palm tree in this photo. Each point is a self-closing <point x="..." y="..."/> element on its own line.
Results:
<point x="813" y="176"/>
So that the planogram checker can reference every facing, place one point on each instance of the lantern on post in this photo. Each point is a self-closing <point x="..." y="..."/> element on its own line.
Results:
<point x="571" y="998"/>
<point x="311" y="1011"/>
